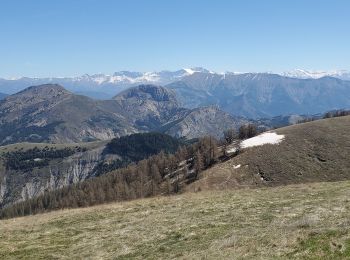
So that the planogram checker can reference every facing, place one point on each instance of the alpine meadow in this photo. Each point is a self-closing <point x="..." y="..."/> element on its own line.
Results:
<point x="174" y="129"/>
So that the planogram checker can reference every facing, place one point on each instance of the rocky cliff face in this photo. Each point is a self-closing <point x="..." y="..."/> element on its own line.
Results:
<point x="149" y="106"/>
<point x="21" y="185"/>
<point x="203" y="122"/>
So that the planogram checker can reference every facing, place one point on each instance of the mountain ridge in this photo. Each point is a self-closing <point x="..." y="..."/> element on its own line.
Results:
<point x="315" y="151"/>
<point x="49" y="113"/>
<point x="102" y="86"/>
<point x="263" y="95"/>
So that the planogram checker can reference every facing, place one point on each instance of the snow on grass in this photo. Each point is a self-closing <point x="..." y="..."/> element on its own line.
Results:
<point x="237" y="166"/>
<point x="265" y="138"/>
<point x="231" y="150"/>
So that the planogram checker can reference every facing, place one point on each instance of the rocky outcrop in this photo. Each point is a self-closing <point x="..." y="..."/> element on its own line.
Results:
<point x="149" y="106"/>
<point x="203" y="122"/>
<point x="21" y="185"/>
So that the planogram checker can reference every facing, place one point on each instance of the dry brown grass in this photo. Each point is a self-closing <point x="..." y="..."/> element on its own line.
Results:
<point x="296" y="221"/>
<point x="311" y="152"/>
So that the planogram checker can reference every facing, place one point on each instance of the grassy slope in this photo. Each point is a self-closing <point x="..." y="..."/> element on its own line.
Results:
<point x="311" y="152"/>
<point x="296" y="221"/>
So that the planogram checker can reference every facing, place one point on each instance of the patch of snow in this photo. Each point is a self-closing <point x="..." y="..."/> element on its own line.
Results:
<point x="190" y="71"/>
<point x="198" y="69"/>
<point x="231" y="150"/>
<point x="265" y="138"/>
<point x="236" y="166"/>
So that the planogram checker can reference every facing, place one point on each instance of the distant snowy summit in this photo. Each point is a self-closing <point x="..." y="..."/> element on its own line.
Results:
<point x="308" y="74"/>
<point x="167" y="76"/>
<point x="105" y="86"/>
<point x="132" y="77"/>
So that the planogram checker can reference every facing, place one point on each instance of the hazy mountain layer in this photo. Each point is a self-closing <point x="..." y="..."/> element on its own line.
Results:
<point x="50" y="113"/>
<point x="262" y="95"/>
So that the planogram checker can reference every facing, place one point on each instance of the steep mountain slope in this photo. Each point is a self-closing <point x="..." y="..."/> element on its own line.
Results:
<point x="262" y="95"/>
<point x="54" y="166"/>
<point x="204" y="121"/>
<point x="311" y="152"/>
<point x="149" y="106"/>
<point x="51" y="113"/>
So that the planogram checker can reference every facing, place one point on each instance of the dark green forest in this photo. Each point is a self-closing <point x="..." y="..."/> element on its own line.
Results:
<point x="139" y="146"/>
<point x="163" y="173"/>
<point x="136" y="147"/>
<point x="26" y="160"/>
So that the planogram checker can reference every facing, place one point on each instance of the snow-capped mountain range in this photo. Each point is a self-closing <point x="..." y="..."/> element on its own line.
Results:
<point x="309" y="74"/>
<point x="131" y="77"/>
<point x="165" y="76"/>
<point x="103" y="86"/>
<point x="127" y="77"/>
<point x="245" y="94"/>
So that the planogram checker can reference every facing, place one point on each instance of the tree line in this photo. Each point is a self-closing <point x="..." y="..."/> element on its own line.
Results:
<point x="160" y="174"/>
<point x="163" y="173"/>
<point x="337" y="113"/>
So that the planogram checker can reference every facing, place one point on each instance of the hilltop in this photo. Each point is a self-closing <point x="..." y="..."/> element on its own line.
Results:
<point x="310" y="152"/>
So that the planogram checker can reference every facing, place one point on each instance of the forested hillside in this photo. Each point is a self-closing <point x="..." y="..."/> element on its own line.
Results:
<point x="309" y="152"/>
<point x="163" y="173"/>
<point x="28" y="170"/>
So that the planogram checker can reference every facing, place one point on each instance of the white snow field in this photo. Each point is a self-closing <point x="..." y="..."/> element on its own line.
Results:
<point x="265" y="138"/>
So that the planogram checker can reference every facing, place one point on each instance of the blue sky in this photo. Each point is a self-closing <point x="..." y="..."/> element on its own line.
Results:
<point x="73" y="37"/>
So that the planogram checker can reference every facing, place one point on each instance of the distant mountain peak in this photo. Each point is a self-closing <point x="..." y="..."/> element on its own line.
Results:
<point x="193" y="70"/>
<point x="148" y="91"/>
<point x="46" y="90"/>
<point x="314" y="74"/>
